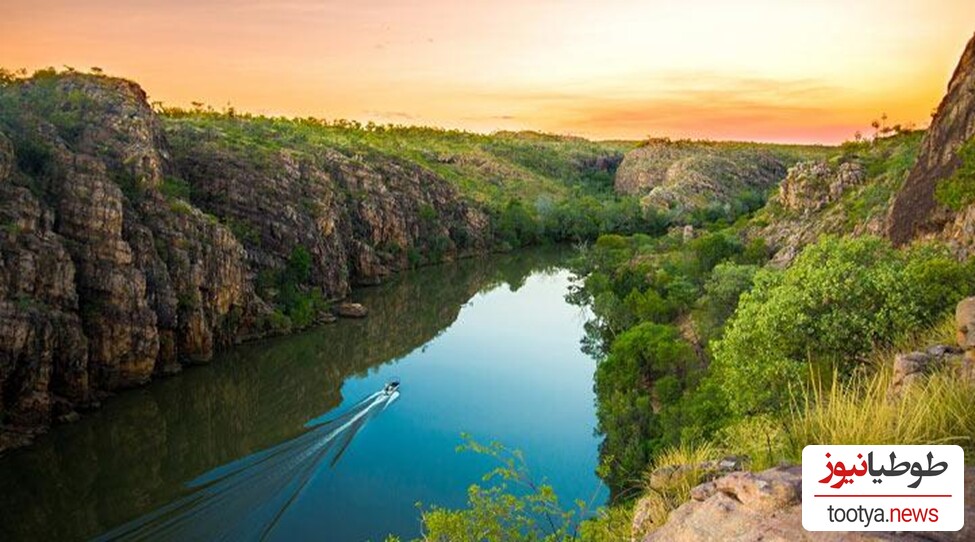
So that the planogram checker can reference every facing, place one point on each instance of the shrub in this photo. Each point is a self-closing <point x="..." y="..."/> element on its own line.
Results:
<point x="663" y="494"/>
<point x="958" y="190"/>
<point x="721" y="293"/>
<point x="514" y="507"/>
<point x="839" y="300"/>
<point x="173" y="187"/>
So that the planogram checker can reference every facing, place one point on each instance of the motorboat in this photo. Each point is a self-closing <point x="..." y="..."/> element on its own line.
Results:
<point x="391" y="387"/>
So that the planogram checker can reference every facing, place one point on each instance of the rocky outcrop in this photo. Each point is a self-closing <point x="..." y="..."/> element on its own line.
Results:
<point x="914" y="366"/>
<point x="129" y="248"/>
<point x="767" y="505"/>
<point x="915" y="211"/>
<point x="359" y="219"/>
<point x="688" y="175"/>
<point x="810" y="186"/>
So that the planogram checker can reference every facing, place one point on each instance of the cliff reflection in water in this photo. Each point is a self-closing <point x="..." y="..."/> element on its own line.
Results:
<point x="139" y="451"/>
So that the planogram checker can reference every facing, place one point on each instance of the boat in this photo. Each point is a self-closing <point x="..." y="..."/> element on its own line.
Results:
<point x="391" y="387"/>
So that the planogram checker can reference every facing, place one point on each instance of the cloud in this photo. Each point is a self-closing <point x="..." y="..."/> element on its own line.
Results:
<point x="391" y="115"/>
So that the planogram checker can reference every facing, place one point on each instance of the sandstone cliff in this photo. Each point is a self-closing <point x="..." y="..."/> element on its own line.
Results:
<point x="125" y="256"/>
<point x="688" y="175"/>
<point x="915" y="211"/>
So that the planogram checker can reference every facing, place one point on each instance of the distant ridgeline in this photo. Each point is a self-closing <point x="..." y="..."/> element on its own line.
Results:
<point x="137" y="240"/>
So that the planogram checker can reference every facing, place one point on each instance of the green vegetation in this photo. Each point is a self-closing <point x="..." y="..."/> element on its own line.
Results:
<point x="514" y="507"/>
<point x="536" y="188"/>
<point x="641" y="289"/>
<point x="489" y="169"/>
<point x="958" y="191"/>
<point x="838" y="301"/>
<point x="298" y="303"/>
<point x="680" y="368"/>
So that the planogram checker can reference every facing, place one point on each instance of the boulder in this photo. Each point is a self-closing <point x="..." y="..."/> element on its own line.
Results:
<point x="965" y="323"/>
<point x="351" y="310"/>
<point x="767" y="505"/>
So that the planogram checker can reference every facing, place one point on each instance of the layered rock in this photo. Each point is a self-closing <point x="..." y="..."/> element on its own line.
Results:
<point x="358" y="219"/>
<point x="810" y="186"/>
<point x="803" y="208"/>
<point x="915" y="211"/>
<point x="688" y="175"/>
<point x="125" y="257"/>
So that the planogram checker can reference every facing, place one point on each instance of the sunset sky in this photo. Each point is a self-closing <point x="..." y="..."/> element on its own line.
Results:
<point x="771" y="70"/>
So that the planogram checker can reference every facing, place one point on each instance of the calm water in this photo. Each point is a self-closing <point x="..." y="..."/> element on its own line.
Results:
<point x="486" y="347"/>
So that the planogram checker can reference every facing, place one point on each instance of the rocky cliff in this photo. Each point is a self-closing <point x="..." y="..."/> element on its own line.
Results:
<point x="688" y="175"/>
<point x="130" y="246"/>
<point x="916" y="212"/>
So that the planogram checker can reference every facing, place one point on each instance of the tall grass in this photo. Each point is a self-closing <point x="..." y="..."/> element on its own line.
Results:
<point x="939" y="409"/>
<point x="684" y="467"/>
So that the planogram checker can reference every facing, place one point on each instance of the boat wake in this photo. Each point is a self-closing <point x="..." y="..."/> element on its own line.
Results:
<point x="245" y="499"/>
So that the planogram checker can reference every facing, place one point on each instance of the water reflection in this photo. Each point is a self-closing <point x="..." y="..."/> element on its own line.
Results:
<point x="138" y="452"/>
<point x="245" y="499"/>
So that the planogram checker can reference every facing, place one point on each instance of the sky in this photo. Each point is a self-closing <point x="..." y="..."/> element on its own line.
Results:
<point x="764" y="70"/>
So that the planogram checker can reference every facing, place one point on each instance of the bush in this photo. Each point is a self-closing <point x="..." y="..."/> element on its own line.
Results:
<point x="839" y="300"/>
<point x="514" y="507"/>
<point x="958" y="191"/>
<point x="721" y="293"/>
<point x="662" y="495"/>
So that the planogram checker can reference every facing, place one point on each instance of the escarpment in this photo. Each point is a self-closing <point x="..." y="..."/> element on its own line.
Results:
<point x="690" y="175"/>
<point x="916" y="211"/>
<point x="132" y="245"/>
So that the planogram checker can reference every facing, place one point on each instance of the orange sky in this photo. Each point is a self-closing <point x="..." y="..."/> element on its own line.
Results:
<point x="774" y="70"/>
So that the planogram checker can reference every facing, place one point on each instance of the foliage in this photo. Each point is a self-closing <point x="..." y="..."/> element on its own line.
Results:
<point x="175" y="188"/>
<point x="728" y="281"/>
<point x="840" y="299"/>
<point x="958" y="190"/>
<point x="297" y="301"/>
<point x="644" y="363"/>
<point x="513" y="507"/>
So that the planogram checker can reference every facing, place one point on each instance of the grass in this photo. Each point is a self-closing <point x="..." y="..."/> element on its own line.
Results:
<point x="937" y="410"/>
<point x="664" y="493"/>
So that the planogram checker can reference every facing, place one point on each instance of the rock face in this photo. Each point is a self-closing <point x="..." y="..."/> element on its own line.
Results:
<point x="810" y="186"/>
<point x="124" y="256"/>
<point x="687" y="175"/>
<point x="744" y="506"/>
<point x="804" y="207"/>
<point x="965" y="334"/>
<point x="911" y="367"/>
<point x="915" y="211"/>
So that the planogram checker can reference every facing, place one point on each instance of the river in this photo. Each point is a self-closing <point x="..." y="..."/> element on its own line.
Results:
<point x="487" y="347"/>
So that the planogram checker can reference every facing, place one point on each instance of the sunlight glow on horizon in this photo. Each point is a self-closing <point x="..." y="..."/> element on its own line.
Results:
<point x="767" y="70"/>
